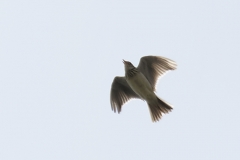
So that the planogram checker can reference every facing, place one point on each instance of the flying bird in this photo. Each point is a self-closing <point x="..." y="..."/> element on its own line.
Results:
<point x="140" y="82"/>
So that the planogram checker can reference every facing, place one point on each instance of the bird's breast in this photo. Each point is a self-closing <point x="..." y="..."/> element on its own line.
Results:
<point x="141" y="86"/>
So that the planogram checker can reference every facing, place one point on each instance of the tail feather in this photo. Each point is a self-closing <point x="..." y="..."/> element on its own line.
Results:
<point x="158" y="108"/>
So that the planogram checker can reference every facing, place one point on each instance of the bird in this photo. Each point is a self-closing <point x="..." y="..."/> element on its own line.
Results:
<point x="140" y="83"/>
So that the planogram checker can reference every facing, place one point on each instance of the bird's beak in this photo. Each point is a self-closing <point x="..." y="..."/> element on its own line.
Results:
<point x="124" y="61"/>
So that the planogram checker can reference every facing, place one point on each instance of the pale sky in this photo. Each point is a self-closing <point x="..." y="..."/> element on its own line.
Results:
<point x="59" y="58"/>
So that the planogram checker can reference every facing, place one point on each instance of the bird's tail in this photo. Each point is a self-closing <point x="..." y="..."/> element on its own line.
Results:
<point x="157" y="108"/>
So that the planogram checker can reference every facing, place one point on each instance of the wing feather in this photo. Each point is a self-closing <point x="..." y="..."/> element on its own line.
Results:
<point x="121" y="92"/>
<point x="153" y="67"/>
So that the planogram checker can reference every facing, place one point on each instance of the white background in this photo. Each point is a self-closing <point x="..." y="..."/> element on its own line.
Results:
<point x="58" y="60"/>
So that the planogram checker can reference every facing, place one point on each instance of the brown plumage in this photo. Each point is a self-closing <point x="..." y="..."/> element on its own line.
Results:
<point x="140" y="83"/>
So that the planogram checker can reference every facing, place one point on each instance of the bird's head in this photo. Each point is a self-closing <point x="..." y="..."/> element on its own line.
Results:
<point x="127" y="65"/>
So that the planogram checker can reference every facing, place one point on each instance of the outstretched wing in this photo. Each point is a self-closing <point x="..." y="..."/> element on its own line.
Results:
<point x="121" y="92"/>
<point x="154" y="66"/>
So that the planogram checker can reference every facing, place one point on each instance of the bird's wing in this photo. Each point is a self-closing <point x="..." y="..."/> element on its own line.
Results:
<point x="121" y="92"/>
<point x="154" y="66"/>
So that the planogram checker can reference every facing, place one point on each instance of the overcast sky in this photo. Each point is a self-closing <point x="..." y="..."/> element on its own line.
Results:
<point x="59" y="58"/>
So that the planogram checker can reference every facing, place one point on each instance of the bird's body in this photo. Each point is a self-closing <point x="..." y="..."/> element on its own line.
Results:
<point x="140" y="83"/>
